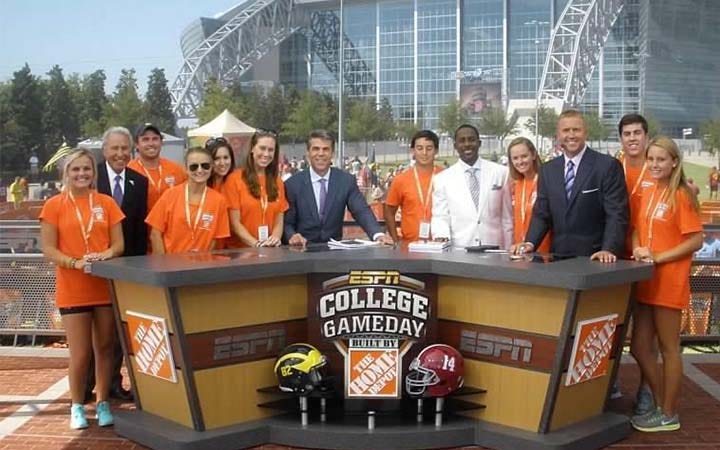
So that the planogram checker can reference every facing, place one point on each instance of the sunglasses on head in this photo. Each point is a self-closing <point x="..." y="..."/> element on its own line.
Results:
<point x="264" y="132"/>
<point x="212" y="142"/>
<point x="195" y="166"/>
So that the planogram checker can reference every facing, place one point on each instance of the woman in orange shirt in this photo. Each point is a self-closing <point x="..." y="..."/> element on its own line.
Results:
<point x="524" y="167"/>
<point x="667" y="233"/>
<point x="80" y="226"/>
<point x="189" y="217"/>
<point x="257" y="195"/>
<point x="223" y="162"/>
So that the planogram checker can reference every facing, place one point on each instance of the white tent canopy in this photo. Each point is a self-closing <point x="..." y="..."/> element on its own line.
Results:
<point x="223" y="125"/>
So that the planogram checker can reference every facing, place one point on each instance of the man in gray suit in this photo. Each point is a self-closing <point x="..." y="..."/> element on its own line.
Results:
<point x="319" y="195"/>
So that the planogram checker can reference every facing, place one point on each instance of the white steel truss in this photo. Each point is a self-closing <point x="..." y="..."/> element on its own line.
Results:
<point x="575" y="49"/>
<point x="232" y="50"/>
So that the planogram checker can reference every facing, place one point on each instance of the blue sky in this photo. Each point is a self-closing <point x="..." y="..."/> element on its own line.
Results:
<point x="85" y="35"/>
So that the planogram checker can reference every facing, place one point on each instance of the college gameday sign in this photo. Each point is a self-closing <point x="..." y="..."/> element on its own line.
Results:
<point x="150" y="345"/>
<point x="373" y="318"/>
<point x="593" y="343"/>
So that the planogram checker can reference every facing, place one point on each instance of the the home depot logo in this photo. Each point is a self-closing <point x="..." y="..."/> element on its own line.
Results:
<point x="150" y="345"/>
<point x="591" y="349"/>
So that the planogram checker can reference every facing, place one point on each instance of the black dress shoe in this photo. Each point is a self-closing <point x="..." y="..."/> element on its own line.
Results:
<point x="121" y="394"/>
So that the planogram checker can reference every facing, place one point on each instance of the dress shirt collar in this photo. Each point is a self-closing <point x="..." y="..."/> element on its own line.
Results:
<point x="465" y="166"/>
<point x="575" y="159"/>
<point x="314" y="177"/>
<point x="112" y="174"/>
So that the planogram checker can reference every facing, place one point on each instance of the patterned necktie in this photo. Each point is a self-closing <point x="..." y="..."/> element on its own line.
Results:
<point x="474" y="185"/>
<point x="323" y="197"/>
<point x="117" y="191"/>
<point x="569" y="178"/>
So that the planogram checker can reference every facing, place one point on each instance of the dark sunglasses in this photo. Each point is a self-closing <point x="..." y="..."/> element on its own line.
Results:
<point x="212" y="142"/>
<point x="194" y="166"/>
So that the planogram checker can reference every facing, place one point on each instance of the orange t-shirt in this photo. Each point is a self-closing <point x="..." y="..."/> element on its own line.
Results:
<point x="522" y="214"/>
<point x="74" y="287"/>
<point x="251" y="214"/>
<point x="637" y="180"/>
<point x="670" y="284"/>
<point x="404" y="193"/>
<point x="169" y="217"/>
<point x="166" y="175"/>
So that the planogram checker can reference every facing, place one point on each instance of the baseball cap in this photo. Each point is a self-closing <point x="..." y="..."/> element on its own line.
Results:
<point x="142" y="129"/>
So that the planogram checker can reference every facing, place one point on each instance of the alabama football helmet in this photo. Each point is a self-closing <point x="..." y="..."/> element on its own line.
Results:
<point x="436" y="371"/>
<point x="298" y="368"/>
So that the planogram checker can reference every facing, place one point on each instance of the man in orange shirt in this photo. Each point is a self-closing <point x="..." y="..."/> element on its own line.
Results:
<point x="411" y="191"/>
<point x="633" y="130"/>
<point x="162" y="174"/>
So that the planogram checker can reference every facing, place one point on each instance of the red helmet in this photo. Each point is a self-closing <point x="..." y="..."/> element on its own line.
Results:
<point x="435" y="372"/>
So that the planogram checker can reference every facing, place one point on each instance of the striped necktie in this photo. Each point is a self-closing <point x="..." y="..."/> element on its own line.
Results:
<point x="474" y="185"/>
<point x="569" y="178"/>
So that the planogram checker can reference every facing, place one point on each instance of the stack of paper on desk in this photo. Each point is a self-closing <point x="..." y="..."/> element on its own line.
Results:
<point x="348" y="244"/>
<point x="428" y="246"/>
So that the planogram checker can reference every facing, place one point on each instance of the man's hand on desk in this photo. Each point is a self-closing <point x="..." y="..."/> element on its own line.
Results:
<point x="297" y="239"/>
<point x="384" y="239"/>
<point x="604" y="256"/>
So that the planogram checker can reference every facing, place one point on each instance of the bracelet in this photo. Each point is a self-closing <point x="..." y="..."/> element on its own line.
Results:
<point x="71" y="263"/>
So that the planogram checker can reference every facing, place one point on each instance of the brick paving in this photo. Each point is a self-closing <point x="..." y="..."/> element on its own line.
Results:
<point x="22" y="378"/>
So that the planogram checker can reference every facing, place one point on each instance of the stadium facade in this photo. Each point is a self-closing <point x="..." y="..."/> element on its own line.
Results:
<point x="661" y="57"/>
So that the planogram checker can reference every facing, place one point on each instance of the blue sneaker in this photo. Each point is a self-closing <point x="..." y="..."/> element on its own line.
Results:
<point x="78" y="421"/>
<point x="644" y="402"/>
<point x="104" y="416"/>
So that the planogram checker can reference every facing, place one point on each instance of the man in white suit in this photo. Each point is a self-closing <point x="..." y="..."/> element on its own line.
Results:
<point x="472" y="204"/>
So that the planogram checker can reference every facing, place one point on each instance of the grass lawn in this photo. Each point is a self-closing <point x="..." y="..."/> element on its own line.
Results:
<point x="700" y="175"/>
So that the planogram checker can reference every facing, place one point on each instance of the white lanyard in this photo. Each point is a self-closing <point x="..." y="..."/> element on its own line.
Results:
<point x="147" y="174"/>
<point x="424" y="201"/>
<point x="85" y="231"/>
<point x="640" y="177"/>
<point x="650" y="215"/>
<point x="523" y="206"/>
<point x="194" y="225"/>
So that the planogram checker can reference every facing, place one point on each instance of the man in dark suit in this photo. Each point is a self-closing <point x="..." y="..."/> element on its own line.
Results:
<point x="319" y="195"/>
<point x="129" y="190"/>
<point x="581" y="198"/>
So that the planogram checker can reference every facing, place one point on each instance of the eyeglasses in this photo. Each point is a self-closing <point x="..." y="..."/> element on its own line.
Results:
<point x="212" y="142"/>
<point x="195" y="166"/>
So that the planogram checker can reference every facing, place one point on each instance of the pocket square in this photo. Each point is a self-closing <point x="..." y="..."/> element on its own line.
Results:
<point x="590" y="191"/>
<point x="495" y="187"/>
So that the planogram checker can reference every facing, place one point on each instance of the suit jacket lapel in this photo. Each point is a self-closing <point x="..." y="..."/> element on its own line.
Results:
<point x="586" y="166"/>
<point x="129" y="188"/>
<point x="103" y="184"/>
<point x="332" y="188"/>
<point x="486" y="182"/>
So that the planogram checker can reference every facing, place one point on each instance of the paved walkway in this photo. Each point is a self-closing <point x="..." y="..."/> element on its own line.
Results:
<point x="34" y="405"/>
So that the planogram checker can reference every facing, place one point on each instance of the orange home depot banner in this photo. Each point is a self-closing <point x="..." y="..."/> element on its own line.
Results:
<point x="150" y="345"/>
<point x="373" y="372"/>
<point x="591" y="349"/>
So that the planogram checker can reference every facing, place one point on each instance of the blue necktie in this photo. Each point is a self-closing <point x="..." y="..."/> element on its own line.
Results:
<point x="323" y="197"/>
<point x="117" y="191"/>
<point x="569" y="178"/>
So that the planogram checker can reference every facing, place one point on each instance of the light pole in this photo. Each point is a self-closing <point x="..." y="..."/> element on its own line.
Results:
<point x="341" y="86"/>
<point x="536" y="24"/>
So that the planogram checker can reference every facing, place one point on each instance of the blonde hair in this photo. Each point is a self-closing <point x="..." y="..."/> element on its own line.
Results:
<point x="677" y="178"/>
<point x="76" y="154"/>
<point x="514" y="174"/>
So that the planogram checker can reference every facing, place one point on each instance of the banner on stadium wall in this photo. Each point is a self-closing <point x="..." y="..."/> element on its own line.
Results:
<point x="150" y="345"/>
<point x="591" y="349"/>
<point x="373" y="318"/>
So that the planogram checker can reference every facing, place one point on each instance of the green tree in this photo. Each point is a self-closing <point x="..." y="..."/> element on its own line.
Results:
<point x="126" y="109"/>
<point x="494" y="122"/>
<point x="547" y="118"/>
<point x="158" y="102"/>
<point x="60" y="120"/>
<point x="312" y="111"/>
<point x="366" y="122"/>
<point x="94" y="104"/>
<point x="452" y="116"/>
<point x="596" y="128"/>
<point x="22" y="133"/>
<point x="406" y="130"/>
<point x="216" y="100"/>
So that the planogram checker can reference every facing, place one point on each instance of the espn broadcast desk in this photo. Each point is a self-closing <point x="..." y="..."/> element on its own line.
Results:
<point x="540" y="342"/>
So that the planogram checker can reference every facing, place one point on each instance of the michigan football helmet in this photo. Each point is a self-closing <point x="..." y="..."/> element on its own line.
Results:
<point x="298" y="368"/>
<point x="436" y="371"/>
